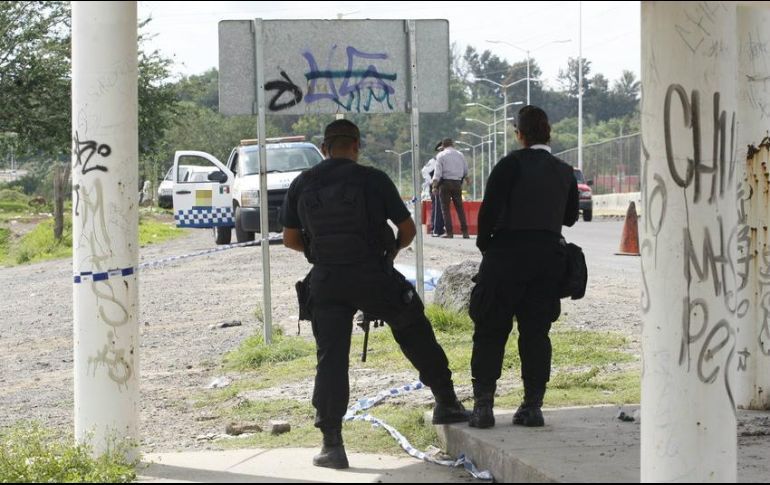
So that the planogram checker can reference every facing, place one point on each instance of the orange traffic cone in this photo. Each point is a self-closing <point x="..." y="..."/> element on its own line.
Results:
<point x="629" y="242"/>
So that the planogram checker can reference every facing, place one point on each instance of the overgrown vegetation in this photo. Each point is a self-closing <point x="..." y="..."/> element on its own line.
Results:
<point x="39" y="244"/>
<point x="32" y="454"/>
<point x="13" y="201"/>
<point x="588" y="368"/>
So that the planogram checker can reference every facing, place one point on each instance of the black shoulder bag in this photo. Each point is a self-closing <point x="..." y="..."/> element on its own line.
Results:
<point x="576" y="276"/>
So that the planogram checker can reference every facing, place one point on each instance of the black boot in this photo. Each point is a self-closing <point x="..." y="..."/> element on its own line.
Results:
<point x="333" y="452"/>
<point x="529" y="413"/>
<point x="448" y="408"/>
<point x="482" y="416"/>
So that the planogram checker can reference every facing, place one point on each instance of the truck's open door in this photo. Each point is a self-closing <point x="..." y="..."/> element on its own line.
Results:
<point x="202" y="191"/>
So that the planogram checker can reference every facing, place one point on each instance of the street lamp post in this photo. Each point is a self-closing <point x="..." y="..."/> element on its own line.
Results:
<point x="527" y="51"/>
<point x="478" y="145"/>
<point x="492" y="133"/>
<point x="400" y="164"/>
<point x="473" y="151"/>
<point x="580" y="86"/>
<point x="504" y="107"/>
<point x="505" y="118"/>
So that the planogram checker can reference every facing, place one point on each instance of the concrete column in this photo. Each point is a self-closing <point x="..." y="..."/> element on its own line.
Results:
<point x="752" y="374"/>
<point x="105" y="221"/>
<point x="688" y="242"/>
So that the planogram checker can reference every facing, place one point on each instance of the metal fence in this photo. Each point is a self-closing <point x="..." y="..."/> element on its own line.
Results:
<point x="614" y="165"/>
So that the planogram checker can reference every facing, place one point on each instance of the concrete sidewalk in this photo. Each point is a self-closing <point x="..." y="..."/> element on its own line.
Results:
<point x="583" y="445"/>
<point x="289" y="465"/>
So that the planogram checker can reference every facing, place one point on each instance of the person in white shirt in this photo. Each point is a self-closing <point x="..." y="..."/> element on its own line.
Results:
<point x="451" y="171"/>
<point x="436" y="215"/>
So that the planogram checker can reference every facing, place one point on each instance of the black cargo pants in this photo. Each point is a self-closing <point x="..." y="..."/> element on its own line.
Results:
<point x="451" y="192"/>
<point x="519" y="277"/>
<point x="335" y="295"/>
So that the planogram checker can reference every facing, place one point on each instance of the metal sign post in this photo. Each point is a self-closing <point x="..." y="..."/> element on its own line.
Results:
<point x="264" y="228"/>
<point x="416" y="182"/>
<point x="333" y="67"/>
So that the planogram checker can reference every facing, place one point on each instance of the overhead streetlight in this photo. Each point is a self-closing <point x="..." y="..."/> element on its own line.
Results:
<point x="527" y="51"/>
<point x="504" y="106"/>
<point x="473" y="148"/>
<point x="400" y="164"/>
<point x="493" y="109"/>
<point x="471" y="133"/>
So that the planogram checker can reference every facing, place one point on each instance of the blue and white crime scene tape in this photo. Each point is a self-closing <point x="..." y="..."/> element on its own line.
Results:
<point x="219" y="249"/>
<point x="364" y="404"/>
<point x="91" y="276"/>
<point x="86" y="276"/>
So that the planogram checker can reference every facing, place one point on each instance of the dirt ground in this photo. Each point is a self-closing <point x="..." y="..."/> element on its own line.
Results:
<point x="180" y="355"/>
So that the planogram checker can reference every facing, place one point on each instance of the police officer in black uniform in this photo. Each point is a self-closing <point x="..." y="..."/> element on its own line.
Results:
<point x="530" y="194"/>
<point x="337" y="213"/>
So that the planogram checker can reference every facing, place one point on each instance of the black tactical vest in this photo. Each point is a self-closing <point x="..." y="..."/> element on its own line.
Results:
<point x="333" y="211"/>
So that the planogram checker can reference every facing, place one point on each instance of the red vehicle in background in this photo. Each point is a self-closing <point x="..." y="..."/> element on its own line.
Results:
<point x="585" y="193"/>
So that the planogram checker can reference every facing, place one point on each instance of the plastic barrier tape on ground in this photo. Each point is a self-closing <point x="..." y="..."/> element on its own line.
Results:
<point x="369" y="402"/>
<point x="87" y="276"/>
<point x="164" y="261"/>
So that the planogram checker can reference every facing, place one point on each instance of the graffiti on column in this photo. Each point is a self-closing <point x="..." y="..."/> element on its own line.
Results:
<point x="756" y="48"/>
<point x="702" y="168"/>
<point x="697" y="30"/>
<point x="91" y="158"/>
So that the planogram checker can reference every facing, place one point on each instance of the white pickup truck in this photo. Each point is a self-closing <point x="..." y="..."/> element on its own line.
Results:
<point x="229" y="198"/>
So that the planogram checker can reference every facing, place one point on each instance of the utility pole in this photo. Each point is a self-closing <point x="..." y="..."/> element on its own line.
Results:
<point x="105" y="223"/>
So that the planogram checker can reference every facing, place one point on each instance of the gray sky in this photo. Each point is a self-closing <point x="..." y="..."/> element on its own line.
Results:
<point x="187" y="31"/>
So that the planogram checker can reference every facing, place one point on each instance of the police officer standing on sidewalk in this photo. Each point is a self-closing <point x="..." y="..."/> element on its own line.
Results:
<point x="530" y="195"/>
<point x="337" y="213"/>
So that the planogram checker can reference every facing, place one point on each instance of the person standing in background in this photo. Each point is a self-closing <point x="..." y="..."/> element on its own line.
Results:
<point x="451" y="171"/>
<point x="436" y="215"/>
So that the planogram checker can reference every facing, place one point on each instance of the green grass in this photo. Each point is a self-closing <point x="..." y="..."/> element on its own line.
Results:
<point x="593" y="387"/>
<point x="39" y="244"/>
<point x="5" y="237"/>
<point x="448" y="321"/>
<point x="153" y="231"/>
<point x="11" y="195"/>
<point x="31" y="454"/>
<point x="584" y="373"/>
<point x="13" y="203"/>
<point x="14" y="208"/>
<point x="254" y="354"/>
<point x="571" y="349"/>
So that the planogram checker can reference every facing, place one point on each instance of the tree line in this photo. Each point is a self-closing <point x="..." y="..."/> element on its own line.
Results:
<point x="182" y="113"/>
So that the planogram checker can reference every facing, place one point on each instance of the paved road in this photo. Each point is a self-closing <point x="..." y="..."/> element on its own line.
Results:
<point x="600" y="241"/>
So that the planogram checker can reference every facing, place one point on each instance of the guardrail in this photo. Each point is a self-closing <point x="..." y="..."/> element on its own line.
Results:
<point x="609" y="205"/>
